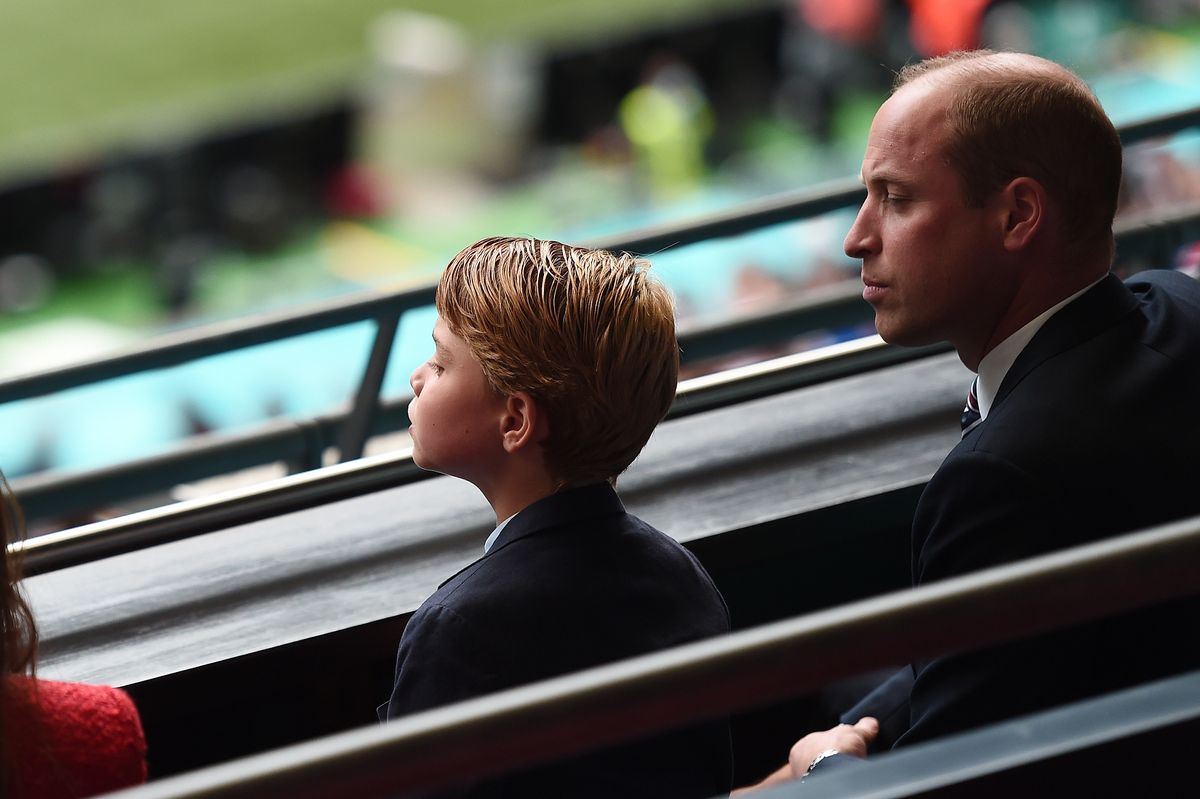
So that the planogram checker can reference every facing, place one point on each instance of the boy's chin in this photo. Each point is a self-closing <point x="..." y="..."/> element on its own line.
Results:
<point x="425" y="464"/>
<point x="421" y="461"/>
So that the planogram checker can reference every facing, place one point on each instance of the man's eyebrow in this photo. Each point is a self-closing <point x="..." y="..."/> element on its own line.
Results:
<point x="887" y="177"/>
<point x="883" y="175"/>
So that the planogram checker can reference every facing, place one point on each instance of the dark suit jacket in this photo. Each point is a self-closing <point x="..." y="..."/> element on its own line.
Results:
<point x="573" y="581"/>
<point x="1093" y="433"/>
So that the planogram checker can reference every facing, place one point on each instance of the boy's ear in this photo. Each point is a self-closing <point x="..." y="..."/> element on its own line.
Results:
<point x="522" y="422"/>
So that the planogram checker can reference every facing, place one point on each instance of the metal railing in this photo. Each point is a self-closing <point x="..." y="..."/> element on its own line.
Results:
<point x="308" y="489"/>
<point x="385" y="309"/>
<point x="711" y="679"/>
<point x="303" y="443"/>
<point x="1075" y="744"/>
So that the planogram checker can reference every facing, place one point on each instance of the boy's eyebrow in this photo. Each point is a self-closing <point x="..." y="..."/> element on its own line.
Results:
<point x="442" y="351"/>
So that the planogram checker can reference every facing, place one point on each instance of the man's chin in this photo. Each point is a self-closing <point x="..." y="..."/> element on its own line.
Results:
<point x="903" y="337"/>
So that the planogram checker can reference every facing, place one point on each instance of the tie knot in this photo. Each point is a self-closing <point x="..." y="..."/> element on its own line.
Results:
<point x="970" y="415"/>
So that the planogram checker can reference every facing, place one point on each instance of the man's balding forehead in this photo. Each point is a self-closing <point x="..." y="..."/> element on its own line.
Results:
<point x="978" y="65"/>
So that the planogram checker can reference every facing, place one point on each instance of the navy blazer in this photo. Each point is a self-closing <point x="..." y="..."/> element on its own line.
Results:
<point x="1093" y="433"/>
<point x="572" y="581"/>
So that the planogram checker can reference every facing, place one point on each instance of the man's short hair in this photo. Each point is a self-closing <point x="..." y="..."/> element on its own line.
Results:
<point x="589" y="334"/>
<point x="1017" y="115"/>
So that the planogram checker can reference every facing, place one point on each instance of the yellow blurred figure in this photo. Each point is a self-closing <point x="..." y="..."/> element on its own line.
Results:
<point x="667" y="121"/>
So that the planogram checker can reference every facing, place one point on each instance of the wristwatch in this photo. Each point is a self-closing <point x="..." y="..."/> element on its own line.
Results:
<point x="818" y="759"/>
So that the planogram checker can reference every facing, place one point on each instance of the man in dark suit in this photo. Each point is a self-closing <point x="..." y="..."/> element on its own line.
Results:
<point x="552" y="366"/>
<point x="992" y="183"/>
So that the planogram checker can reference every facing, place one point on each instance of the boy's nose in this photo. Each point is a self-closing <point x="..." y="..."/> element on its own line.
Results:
<point x="417" y="380"/>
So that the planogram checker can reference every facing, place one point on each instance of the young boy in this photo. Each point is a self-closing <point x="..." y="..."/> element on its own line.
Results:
<point x="552" y="364"/>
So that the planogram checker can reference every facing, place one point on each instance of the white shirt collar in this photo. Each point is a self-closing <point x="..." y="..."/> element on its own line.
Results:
<point x="995" y="364"/>
<point x="491" y="539"/>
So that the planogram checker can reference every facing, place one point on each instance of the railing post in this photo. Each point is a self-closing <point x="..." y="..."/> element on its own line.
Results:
<point x="312" y="453"/>
<point x="366" y="402"/>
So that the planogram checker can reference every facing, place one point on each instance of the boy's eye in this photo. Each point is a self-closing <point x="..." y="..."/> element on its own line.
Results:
<point x="437" y="370"/>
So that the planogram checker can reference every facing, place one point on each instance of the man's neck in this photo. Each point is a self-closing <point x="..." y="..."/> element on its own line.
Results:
<point x="1050" y="285"/>
<point x="995" y="365"/>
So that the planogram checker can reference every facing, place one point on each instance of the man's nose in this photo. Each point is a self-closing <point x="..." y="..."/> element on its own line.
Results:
<point x="861" y="240"/>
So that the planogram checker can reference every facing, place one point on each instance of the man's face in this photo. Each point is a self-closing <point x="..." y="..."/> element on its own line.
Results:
<point x="455" y="414"/>
<point x="929" y="266"/>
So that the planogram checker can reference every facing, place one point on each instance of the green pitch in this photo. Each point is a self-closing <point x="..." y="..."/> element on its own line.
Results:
<point x="82" y="76"/>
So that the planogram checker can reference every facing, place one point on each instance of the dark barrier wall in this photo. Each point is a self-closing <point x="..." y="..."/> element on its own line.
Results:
<point x="334" y="682"/>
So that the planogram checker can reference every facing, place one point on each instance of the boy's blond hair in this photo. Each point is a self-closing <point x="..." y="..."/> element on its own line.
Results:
<point x="587" y="333"/>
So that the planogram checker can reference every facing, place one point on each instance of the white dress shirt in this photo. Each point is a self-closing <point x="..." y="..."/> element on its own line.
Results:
<point x="491" y="539"/>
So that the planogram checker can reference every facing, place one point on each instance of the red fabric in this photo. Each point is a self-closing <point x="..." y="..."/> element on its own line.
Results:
<point x="855" y="22"/>
<point x="943" y="26"/>
<point x="71" y="740"/>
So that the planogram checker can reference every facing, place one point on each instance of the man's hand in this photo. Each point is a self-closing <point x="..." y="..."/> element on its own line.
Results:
<point x="847" y="739"/>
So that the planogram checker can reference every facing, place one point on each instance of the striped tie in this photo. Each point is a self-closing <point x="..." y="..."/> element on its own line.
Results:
<point x="970" y="415"/>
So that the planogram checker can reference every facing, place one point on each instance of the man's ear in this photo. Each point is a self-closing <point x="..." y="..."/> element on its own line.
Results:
<point x="522" y="422"/>
<point x="1024" y="206"/>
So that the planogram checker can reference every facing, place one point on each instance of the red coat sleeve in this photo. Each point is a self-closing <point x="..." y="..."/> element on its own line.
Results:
<point x="72" y="740"/>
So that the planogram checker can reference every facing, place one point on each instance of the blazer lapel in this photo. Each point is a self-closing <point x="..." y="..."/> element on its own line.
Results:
<point x="566" y="507"/>
<point x="573" y="505"/>
<point x="1101" y="307"/>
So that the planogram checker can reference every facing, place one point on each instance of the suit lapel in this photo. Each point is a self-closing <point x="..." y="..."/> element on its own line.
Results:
<point x="575" y="505"/>
<point x="566" y="507"/>
<point x="1101" y="307"/>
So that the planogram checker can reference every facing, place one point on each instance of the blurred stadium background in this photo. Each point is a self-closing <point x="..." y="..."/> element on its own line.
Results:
<point x="168" y="164"/>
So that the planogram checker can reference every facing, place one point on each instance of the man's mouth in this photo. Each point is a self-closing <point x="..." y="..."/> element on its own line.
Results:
<point x="872" y="289"/>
